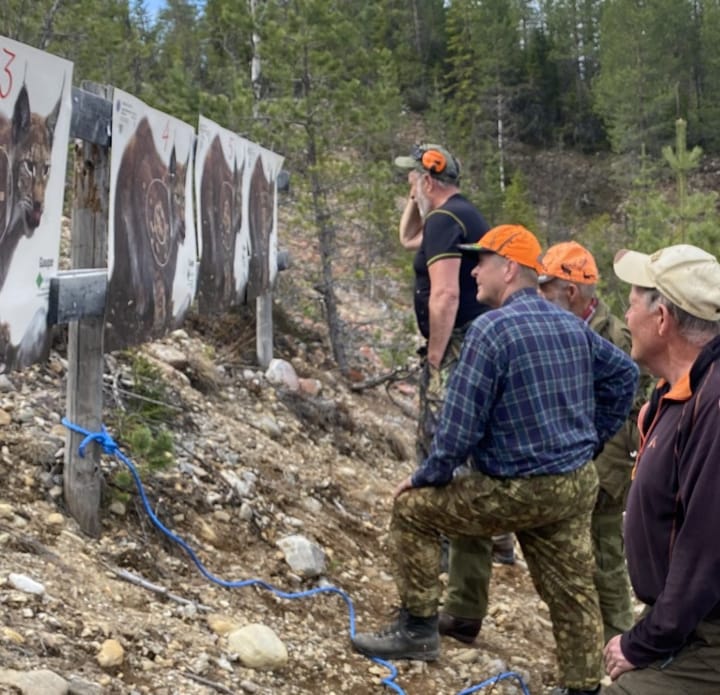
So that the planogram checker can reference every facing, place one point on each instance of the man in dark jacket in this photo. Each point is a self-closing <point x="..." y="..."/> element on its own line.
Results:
<point x="673" y="515"/>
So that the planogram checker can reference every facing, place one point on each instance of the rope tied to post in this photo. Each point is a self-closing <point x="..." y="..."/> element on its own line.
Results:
<point x="103" y="438"/>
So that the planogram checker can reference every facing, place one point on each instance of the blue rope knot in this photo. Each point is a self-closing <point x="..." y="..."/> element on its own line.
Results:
<point x="108" y="444"/>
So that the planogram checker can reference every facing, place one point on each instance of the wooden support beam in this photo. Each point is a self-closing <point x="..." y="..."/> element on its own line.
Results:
<point x="81" y="477"/>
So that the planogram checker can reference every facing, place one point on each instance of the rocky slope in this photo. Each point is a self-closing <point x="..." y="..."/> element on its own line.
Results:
<point x="255" y="463"/>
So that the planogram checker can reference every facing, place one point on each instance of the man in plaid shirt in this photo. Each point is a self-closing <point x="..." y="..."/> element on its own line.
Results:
<point x="534" y="396"/>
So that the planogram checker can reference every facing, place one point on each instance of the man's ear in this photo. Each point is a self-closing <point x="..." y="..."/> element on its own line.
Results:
<point x="664" y="320"/>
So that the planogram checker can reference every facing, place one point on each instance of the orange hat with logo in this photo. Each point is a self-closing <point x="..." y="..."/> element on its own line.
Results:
<point x="570" y="261"/>
<point x="511" y="241"/>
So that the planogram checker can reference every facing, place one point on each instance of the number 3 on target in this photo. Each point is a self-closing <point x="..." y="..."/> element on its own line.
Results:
<point x="6" y="77"/>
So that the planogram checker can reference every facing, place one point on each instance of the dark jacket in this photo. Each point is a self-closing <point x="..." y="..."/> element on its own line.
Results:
<point x="673" y="513"/>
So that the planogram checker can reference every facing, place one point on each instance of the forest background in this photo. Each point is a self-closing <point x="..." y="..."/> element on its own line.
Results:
<point x="597" y="120"/>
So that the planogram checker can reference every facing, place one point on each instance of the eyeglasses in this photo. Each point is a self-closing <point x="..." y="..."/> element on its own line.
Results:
<point x="432" y="160"/>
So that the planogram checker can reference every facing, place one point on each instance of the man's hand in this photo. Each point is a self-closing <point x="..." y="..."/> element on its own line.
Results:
<point x="402" y="487"/>
<point x="615" y="662"/>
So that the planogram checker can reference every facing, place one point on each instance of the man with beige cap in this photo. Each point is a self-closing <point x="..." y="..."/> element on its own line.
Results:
<point x="673" y="509"/>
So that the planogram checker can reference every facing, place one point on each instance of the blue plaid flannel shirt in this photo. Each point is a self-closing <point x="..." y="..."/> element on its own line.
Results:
<point x="536" y="392"/>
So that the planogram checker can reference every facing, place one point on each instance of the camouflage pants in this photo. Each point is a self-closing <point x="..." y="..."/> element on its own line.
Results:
<point x="432" y="391"/>
<point x="695" y="670"/>
<point x="470" y="566"/>
<point x="551" y="517"/>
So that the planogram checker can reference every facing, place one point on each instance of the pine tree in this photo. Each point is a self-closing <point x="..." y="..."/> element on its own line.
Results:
<point x="329" y="105"/>
<point x="646" y="70"/>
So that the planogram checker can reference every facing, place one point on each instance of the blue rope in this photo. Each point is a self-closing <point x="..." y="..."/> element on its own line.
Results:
<point x="110" y="447"/>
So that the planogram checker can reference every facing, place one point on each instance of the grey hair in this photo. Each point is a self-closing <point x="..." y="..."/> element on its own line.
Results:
<point x="695" y="330"/>
<point x="528" y="274"/>
<point x="585" y="290"/>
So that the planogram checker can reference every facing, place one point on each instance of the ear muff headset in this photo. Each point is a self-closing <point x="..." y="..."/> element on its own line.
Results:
<point x="434" y="161"/>
<point x="431" y="160"/>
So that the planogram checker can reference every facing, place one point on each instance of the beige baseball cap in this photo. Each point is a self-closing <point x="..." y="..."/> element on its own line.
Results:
<point x="688" y="276"/>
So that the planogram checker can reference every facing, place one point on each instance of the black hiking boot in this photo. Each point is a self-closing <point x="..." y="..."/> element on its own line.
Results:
<point x="408" y="637"/>
<point x="464" y="630"/>
<point x="575" y="691"/>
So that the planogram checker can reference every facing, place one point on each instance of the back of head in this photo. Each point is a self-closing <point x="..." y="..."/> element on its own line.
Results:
<point x="569" y="261"/>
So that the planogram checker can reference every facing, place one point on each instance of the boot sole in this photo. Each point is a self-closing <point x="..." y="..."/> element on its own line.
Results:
<point x="411" y="656"/>
<point x="465" y="639"/>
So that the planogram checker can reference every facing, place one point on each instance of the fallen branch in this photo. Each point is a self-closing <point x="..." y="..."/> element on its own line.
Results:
<point x="397" y="374"/>
<point x="246" y="686"/>
<point x="210" y="684"/>
<point x="155" y="588"/>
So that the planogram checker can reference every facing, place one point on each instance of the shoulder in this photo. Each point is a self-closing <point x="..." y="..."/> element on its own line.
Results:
<point x="458" y="210"/>
<point x="610" y="327"/>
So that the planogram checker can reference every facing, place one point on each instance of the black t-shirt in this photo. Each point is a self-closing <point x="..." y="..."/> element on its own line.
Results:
<point x="455" y="222"/>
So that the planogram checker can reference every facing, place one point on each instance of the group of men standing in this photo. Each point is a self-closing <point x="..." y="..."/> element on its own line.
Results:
<point x="529" y="415"/>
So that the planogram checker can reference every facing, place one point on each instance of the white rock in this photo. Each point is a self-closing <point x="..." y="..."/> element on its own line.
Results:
<point x="282" y="373"/>
<point x="25" y="584"/>
<point x="41" y="682"/>
<point x="111" y="654"/>
<point x="303" y="555"/>
<point x="257" y="646"/>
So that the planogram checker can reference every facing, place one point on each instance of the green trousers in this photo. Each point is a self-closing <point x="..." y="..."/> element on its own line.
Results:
<point x="695" y="670"/>
<point x="550" y="515"/>
<point x="470" y="565"/>
<point x="611" y="577"/>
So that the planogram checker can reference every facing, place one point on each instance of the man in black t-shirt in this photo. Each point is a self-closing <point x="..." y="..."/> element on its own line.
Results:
<point x="436" y="219"/>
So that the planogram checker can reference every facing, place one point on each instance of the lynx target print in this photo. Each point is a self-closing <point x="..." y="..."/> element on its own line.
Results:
<point x="235" y="186"/>
<point x="222" y="234"/>
<point x="152" y="249"/>
<point x="35" y="110"/>
<point x="264" y="166"/>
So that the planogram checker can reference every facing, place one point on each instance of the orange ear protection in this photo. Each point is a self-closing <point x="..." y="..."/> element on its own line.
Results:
<point x="432" y="160"/>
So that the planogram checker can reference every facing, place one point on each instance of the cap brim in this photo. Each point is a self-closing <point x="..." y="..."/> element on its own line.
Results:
<point x="632" y="267"/>
<point x="406" y="162"/>
<point x="474" y="247"/>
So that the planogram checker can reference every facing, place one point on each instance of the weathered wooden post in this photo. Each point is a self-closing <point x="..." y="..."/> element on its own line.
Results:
<point x="91" y="120"/>
<point x="263" y="304"/>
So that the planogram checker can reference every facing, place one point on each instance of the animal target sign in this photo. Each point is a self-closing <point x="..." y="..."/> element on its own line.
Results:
<point x="35" y="110"/>
<point x="264" y="166"/>
<point x="152" y="249"/>
<point x="223" y="239"/>
<point x="235" y="185"/>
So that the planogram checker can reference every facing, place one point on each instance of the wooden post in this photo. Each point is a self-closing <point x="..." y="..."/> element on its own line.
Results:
<point x="91" y="189"/>
<point x="264" y="331"/>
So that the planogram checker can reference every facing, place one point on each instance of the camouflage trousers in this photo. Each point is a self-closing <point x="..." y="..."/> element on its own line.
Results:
<point x="550" y="515"/>
<point x="695" y="669"/>
<point x="470" y="565"/>
<point x="432" y="390"/>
